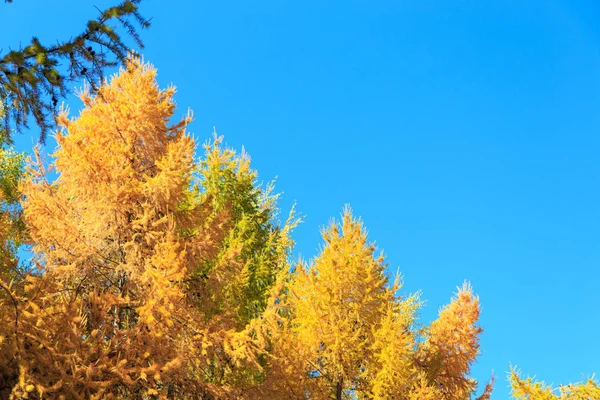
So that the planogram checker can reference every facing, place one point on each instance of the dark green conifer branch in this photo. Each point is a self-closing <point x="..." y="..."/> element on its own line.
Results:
<point x="35" y="77"/>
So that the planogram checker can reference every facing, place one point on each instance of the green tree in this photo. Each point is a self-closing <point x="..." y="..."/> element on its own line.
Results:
<point x="32" y="81"/>
<point x="12" y="230"/>
<point x="260" y="247"/>
<point x="11" y="171"/>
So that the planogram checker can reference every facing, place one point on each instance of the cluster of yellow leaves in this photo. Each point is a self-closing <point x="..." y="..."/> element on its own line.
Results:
<point x="528" y="389"/>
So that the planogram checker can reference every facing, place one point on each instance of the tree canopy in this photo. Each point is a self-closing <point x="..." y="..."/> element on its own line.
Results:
<point x="342" y="331"/>
<point x="159" y="275"/>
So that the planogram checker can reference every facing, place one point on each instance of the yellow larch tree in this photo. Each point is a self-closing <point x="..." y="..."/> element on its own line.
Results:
<point x="131" y="253"/>
<point x="528" y="389"/>
<point x="325" y="328"/>
<point x="450" y="347"/>
<point x="431" y="362"/>
<point x="338" y="324"/>
<point x="339" y="330"/>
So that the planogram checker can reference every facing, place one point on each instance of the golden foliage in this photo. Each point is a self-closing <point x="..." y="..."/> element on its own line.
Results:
<point x="158" y="276"/>
<point x="123" y="241"/>
<point x="451" y="346"/>
<point x="529" y="389"/>
<point x="340" y="331"/>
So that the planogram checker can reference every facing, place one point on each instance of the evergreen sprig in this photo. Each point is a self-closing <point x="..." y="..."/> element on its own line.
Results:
<point x="35" y="77"/>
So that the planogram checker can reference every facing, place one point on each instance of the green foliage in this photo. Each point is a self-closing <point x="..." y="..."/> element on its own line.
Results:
<point x="11" y="171"/>
<point x="12" y="227"/>
<point x="33" y="78"/>
<point x="255" y="242"/>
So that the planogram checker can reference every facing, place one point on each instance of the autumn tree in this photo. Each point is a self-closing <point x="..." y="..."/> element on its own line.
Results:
<point x="143" y="257"/>
<point x="528" y="389"/>
<point x="337" y="301"/>
<point x="33" y="78"/>
<point x="339" y="330"/>
<point x="450" y="347"/>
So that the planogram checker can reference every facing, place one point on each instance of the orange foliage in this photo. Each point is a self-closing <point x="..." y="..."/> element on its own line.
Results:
<point x="123" y="242"/>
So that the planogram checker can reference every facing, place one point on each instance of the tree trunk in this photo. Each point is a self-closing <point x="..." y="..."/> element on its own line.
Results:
<point x="338" y="390"/>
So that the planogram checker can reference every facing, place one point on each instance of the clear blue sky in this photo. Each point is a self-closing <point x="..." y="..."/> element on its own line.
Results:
<point x="465" y="133"/>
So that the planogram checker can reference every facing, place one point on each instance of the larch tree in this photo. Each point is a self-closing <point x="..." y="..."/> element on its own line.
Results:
<point x="325" y="327"/>
<point x="234" y="285"/>
<point x="141" y="263"/>
<point x="227" y="182"/>
<point x="528" y="389"/>
<point x="339" y="330"/>
<point x="450" y="347"/>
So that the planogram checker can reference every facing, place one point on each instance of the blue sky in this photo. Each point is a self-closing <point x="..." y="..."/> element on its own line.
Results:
<point x="464" y="133"/>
